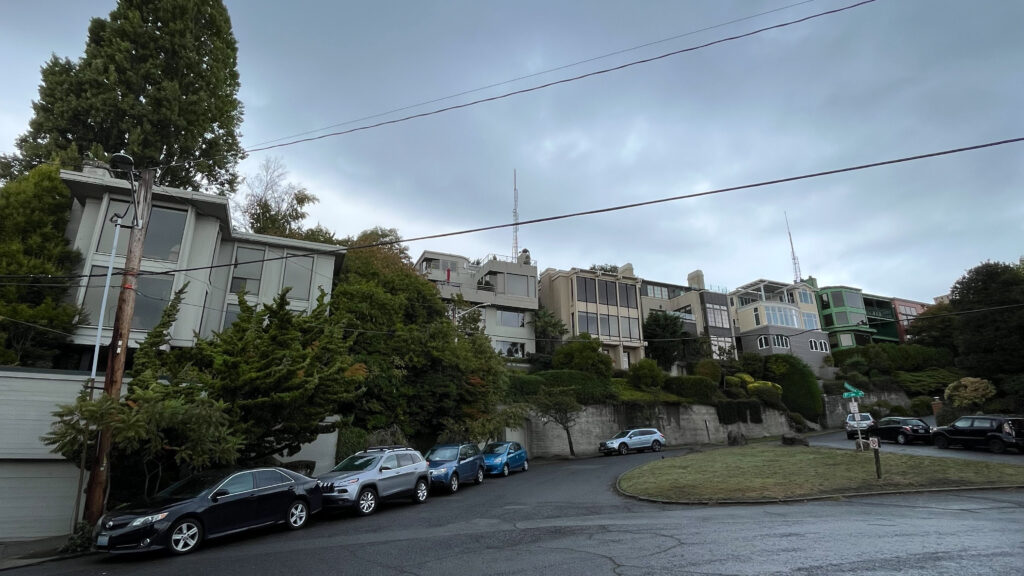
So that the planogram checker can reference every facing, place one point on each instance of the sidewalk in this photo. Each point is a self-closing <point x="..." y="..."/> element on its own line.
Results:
<point x="16" y="553"/>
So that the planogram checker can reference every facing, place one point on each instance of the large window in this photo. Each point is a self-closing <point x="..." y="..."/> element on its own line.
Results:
<point x="230" y="315"/>
<point x="520" y="285"/>
<point x="609" y="325"/>
<point x="298" y="274"/>
<point x="152" y="293"/>
<point x="586" y="289"/>
<point x="627" y="295"/>
<point x="813" y="344"/>
<point x="780" y="316"/>
<point x="511" y="319"/>
<point x="164" y="232"/>
<point x="780" y="341"/>
<point x="657" y="291"/>
<point x="810" y="321"/>
<point x="721" y="347"/>
<point x="854" y="300"/>
<point x="805" y="297"/>
<point x="606" y="292"/>
<point x="757" y="318"/>
<point x="718" y="315"/>
<point x="629" y="328"/>
<point x="762" y="342"/>
<point x="248" y="270"/>
<point x="846" y="340"/>
<point x="837" y="300"/>
<point x="588" y="323"/>
<point x="509" y="349"/>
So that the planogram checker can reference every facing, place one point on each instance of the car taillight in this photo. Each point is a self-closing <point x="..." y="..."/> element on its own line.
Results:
<point x="907" y="428"/>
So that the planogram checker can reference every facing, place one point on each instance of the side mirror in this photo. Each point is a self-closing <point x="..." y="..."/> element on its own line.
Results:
<point x="385" y="468"/>
<point x="219" y="493"/>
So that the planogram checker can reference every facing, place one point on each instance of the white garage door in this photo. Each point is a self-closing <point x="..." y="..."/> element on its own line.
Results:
<point x="38" y="497"/>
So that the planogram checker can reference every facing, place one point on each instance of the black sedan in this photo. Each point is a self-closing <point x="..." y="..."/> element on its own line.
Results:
<point x="902" y="430"/>
<point x="211" y="504"/>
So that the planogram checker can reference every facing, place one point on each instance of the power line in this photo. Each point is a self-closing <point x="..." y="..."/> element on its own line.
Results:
<point x="535" y="74"/>
<point x="9" y="319"/>
<point x="616" y="208"/>
<point x="530" y="89"/>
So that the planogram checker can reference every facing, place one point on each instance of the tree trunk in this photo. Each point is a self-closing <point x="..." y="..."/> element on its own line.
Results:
<point x="568" y="435"/>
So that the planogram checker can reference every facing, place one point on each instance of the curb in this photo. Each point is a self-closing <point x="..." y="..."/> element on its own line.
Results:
<point x="618" y="488"/>
<point x="16" y="562"/>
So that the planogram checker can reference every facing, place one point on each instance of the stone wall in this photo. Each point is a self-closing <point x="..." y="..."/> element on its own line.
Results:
<point x="680" y="424"/>
<point x="837" y="407"/>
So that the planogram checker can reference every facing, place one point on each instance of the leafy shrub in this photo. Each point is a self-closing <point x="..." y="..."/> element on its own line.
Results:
<point x="969" y="392"/>
<point x="587" y="388"/>
<point x="629" y="396"/>
<point x="930" y="381"/>
<point x="798" y="422"/>
<point x="896" y="357"/>
<point x="769" y="393"/>
<point x="734" y="382"/>
<point x="709" y="369"/>
<point x="736" y="393"/>
<point x="350" y="441"/>
<point x="745" y="378"/>
<point x="697" y="388"/>
<point x="800" y="391"/>
<point x="833" y="387"/>
<point x="645" y="375"/>
<point x="619" y="373"/>
<point x="752" y="364"/>
<point x="921" y="406"/>
<point x="524" y="386"/>
<point x="583" y="354"/>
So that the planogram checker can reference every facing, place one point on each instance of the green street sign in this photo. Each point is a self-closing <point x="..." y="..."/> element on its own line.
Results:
<point x="857" y="394"/>
<point x="852" y="389"/>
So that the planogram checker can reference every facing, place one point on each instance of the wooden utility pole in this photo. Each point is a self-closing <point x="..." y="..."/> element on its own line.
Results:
<point x="117" y="353"/>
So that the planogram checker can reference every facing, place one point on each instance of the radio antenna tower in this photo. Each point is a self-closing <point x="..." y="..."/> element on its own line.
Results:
<point x="515" y="217"/>
<point x="796" y="261"/>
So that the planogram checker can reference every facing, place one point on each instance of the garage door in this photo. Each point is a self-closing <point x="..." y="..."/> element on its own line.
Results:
<point x="38" y="497"/>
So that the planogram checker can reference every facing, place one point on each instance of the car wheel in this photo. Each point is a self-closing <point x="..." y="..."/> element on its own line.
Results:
<point x="901" y="438"/>
<point x="453" y="483"/>
<point x="941" y="442"/>
<point x="419" y="495"/>
<point x="526" y="465"/>
<point x="479" y="476"/>
<point x="623" y="449"/>
<point x="505" y="470"/>
<point x="655" y="446"/>
<point x="366" y="504"/>
<point x="298" y="513"/>
<point x="996" y="446"/>
<point x="185" y="536"/>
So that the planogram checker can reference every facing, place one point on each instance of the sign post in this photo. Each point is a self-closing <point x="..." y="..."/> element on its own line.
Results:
<point x="878" y="461"/>
<point x="854" y="408"/>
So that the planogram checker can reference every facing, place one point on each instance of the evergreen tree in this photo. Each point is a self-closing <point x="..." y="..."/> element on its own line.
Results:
<point x="583" y="353"/>
<point x="158" y="81"/>
<point x="34" y="313"/>
<point x="989" y="342"/>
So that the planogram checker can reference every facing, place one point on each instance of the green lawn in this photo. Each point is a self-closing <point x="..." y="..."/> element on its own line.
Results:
<point x="769" y="472"/>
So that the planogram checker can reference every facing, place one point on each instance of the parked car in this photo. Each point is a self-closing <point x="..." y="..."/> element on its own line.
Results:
<point x="503" y="457"/>
<point x="902" y="430"/>
<point x="365" y="478"/>
<point x="451" y="463"/>
<point x="638" y="439"/>
<point x="860" y="421"/>
<point x="995" y="432"/>
<point x="210" y="504"/>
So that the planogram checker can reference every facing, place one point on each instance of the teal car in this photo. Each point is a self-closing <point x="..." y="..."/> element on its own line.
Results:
<point x="503" y="457"/>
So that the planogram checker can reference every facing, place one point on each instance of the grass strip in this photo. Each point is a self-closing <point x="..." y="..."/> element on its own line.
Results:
<point x="771" y="472"/>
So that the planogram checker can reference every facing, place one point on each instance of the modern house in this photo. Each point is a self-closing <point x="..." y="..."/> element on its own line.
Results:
<point x="773" y="317"/>
<point x="503" y="288"/>
<point x="605" y="305"/>
<point x="906" y="311"/>
<point x="853" y="318"/>
<point x="704" y="310"/>
<point x="189" y="240"/>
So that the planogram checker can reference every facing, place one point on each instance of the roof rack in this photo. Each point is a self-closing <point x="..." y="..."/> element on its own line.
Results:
<point x="391" y="447"/>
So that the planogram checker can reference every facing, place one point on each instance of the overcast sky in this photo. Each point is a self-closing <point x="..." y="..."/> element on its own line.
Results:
<point x="889" y="79"/>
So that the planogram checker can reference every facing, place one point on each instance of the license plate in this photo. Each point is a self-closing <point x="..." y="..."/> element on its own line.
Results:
<point x="102" y="539"/>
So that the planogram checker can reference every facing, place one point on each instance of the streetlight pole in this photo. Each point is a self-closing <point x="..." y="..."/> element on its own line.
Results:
<point x="117" y="353"/>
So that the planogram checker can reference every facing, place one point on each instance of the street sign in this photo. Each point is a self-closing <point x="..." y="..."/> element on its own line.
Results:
<point x="873" y="441"/>
<point x="854" y="408"/>
<point x="853" y="392"/>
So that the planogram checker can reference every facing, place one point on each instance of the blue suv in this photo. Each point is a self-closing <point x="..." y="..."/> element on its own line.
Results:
<point x="452" y="463"/>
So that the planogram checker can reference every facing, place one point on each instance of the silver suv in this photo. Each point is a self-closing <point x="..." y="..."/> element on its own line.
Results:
<point x="638" y="439"/>
<point x="377" y="473"/>
<point x="861" y="421"/>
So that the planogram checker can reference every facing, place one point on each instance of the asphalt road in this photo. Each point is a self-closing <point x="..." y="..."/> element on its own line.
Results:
<point x="565" y="518"/>
<point x="839" y="440"/>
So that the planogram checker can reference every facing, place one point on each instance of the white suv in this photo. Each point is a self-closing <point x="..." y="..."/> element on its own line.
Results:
<point x="861" y="421"/>
<point x="638" y="439"/>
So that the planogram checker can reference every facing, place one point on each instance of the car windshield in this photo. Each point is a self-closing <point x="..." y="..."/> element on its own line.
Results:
<point x="443" y="453"/>
<point x="860" y="417"/>
<point x="495" y="448"/>
<point x="914" y="423"/>
<point x="356" y="463"/>
<point x="622" y="434"/>
<point x="192" y="486"/>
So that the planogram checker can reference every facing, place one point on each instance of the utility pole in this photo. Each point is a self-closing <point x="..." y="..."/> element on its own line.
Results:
<point x="95" y="492"/>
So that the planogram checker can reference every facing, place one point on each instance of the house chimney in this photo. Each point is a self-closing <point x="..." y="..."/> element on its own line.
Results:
<point x="626" y="269"/>
<point x="695" y="279"/>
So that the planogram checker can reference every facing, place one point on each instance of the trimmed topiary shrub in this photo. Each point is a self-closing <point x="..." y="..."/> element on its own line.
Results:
<point x="769" y="393"/>
<point x="645" y="375"/>
<point x="800" y="391"/>
<point x="696" y="388"/>
<point x="931" y="381"/>
<point x="709" y="369"/>
<point x="587" y="388"/>
<point x="745" y="378"/>
<point x="734" y="382"/>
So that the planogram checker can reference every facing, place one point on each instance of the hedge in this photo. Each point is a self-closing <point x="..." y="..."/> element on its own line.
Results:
<point x="800" y="391"/>
<point x="896" y="357"/>
<point x="697" y="388"/>
<point x="588" y="388"/>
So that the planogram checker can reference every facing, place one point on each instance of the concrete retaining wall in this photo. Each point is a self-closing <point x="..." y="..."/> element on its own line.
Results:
<point x="680" y="425"/>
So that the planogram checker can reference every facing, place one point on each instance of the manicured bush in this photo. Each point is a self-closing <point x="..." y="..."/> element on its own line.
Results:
<point x="645" y="375"/>
<point x="745" y="378"/>
<point x="709" y="369"/>
<point x="799" y="422"/>
<point x="734" y="382"/>
<point x="587" y="388"/>
<point x="931" y="381"/>
<point x="800" y="391"/>
<point x="896" y="357"/>
<point x="584" y="354"/>
<point x="737" y="393"/>
<point x="921" y="406"/>
<point x="697" y="388"/>
<point x="626" y="395"/>
<point x="768" y="393"/>
<point x="752" y="363"/>
<point x="969" y="392"/>
<point x="521" y="387"/>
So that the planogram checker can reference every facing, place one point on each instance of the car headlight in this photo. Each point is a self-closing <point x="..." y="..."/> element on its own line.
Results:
<point x="439" y="471"/>
<point x="148" y="519"/>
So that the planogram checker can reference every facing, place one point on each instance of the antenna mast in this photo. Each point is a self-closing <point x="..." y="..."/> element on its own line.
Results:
<point x="515" y="217"/>
<point x="796" y="261"/>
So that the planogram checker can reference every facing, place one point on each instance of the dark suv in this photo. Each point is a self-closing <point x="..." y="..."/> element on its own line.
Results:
<point x="381" y="472"/>
<point x="995" y="432"/>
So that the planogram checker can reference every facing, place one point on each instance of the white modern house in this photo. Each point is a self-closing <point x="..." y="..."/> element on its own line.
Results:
<point x="503" y="288"/>
<point x="189" y="239"/>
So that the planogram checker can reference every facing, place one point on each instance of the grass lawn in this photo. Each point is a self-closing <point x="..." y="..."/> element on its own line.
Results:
<point x="769" y="472"/>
